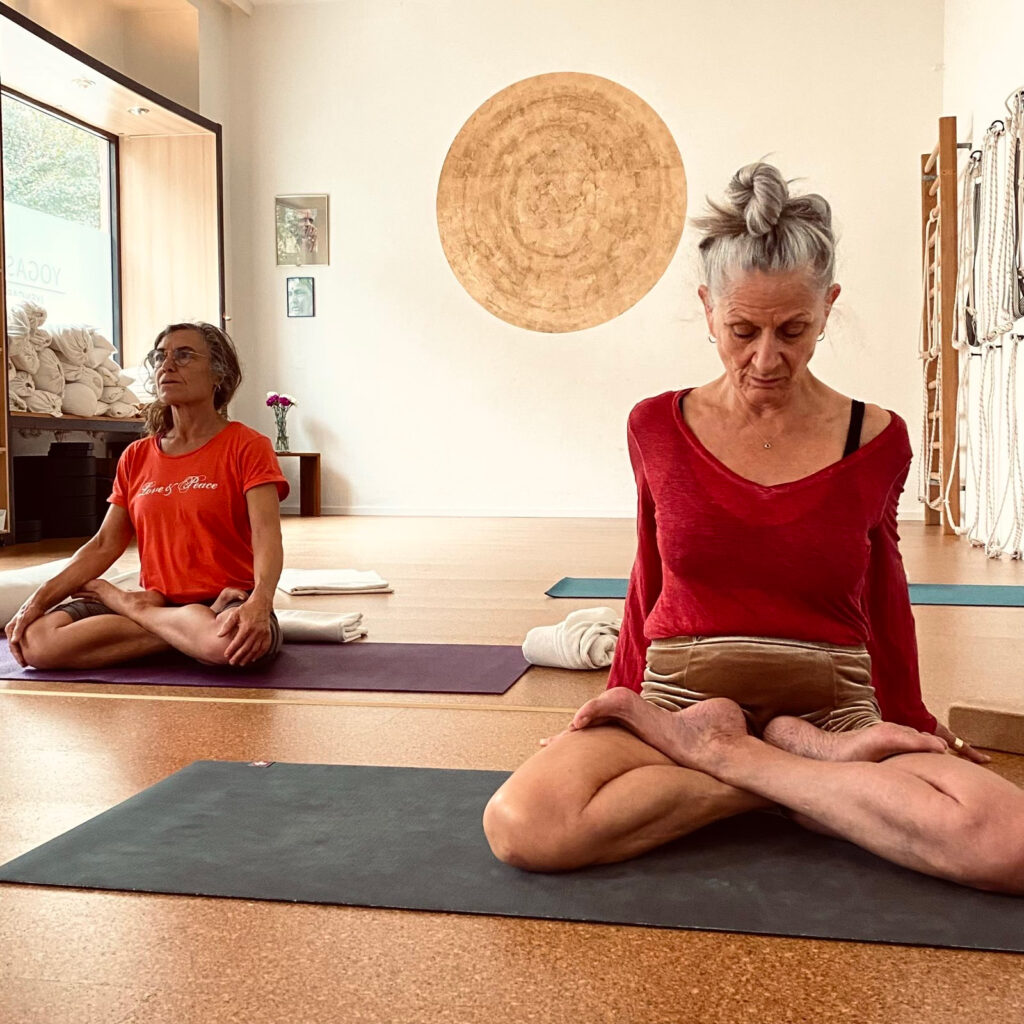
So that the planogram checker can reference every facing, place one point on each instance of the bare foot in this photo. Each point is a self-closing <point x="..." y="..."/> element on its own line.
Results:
<point x="226" y="596"/>
<point x="875" y="743"/>
<point x="123" y="602"/>
<point x="693" y="738"/>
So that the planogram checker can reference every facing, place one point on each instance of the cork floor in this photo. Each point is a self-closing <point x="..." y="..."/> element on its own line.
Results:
<point x="73" y="750"/>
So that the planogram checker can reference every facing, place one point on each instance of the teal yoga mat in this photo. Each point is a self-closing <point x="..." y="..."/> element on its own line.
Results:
<point x="968" y="594"/>
<point x="411" y="838"/>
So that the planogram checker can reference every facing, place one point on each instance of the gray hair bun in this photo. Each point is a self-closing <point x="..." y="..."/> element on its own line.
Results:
<point x="760" y="226"/>
<point x="758" y="192"/>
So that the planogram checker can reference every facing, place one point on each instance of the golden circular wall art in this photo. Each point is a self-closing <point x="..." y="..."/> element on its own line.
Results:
<point x="561" y="202"/>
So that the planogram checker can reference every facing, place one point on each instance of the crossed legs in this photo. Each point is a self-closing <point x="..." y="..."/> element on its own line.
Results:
<point x="142" y="623"/>
<point x="629" y="776"/>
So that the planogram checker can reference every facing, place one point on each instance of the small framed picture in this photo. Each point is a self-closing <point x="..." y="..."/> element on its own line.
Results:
<point x="302" y="230"/>
<point x="301" y="296"/>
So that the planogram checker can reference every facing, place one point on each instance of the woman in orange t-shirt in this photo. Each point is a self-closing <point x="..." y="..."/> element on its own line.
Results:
<point x="202" y="495"/>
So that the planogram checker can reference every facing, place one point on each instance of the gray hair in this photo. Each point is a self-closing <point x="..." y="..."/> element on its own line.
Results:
<point x="760" y="226"/>
<point x="224" y="364"/>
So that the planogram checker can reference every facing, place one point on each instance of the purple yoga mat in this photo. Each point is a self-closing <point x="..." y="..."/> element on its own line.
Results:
<point x="401" y="668"/>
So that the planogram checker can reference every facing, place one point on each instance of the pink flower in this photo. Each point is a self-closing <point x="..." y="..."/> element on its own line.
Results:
<point x="273" y="398"/>
<point x="287" y="400"/>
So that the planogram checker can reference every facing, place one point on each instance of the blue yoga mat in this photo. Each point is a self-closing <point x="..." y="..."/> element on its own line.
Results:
<point x="977" y="595"/>
<point x="576" y="586"/>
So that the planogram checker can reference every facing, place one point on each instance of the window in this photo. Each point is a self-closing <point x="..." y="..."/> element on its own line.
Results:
<point x="59" y="233"/>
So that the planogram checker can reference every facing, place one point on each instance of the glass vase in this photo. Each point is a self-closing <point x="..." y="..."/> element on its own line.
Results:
<point x="281" y="418"/>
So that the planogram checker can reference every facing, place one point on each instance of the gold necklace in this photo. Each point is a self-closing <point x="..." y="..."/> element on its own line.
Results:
<point x="766" y="441"/>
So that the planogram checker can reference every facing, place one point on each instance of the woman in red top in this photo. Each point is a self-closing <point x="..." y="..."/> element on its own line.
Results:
<point x="767" y="655"/>
<point x="202" y="495"/>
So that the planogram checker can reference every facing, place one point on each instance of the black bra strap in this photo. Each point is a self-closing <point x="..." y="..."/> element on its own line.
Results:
<point x="853" y="435"/>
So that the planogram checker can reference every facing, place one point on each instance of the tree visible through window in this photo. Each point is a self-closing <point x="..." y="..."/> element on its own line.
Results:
<point x="51" y="165"/>
<point x="57" y="225"/>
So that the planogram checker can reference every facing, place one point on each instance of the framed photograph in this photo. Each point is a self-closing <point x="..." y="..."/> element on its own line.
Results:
<point x="301" y="296"/>
<point x="302" y="230"/>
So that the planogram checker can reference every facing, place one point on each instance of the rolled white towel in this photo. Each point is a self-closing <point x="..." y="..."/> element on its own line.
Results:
<point x="101" y="409"/>
<point x="130" y="397"/>
<point x="79" y="400"/>
<point x="585" y="640"/>
<point x="50" y="375"/>
<point x="332" y="581"/>
<point x="302" y="626"/>
<point x="16" y="403"/>
<point x="44" y="403"/>
<point x="112" y="394"/>
<point x="72" y="343"/>
<point x="23" y="354"/>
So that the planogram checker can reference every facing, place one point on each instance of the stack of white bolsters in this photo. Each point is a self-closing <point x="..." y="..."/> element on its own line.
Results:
<point x="64" y="369"/>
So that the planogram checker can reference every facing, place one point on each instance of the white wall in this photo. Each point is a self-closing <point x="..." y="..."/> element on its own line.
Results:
<point x="423" y="402"/>
<point x="984" y="62"/>
<point x="154" y="42"/>
<point x="162" y="51"/>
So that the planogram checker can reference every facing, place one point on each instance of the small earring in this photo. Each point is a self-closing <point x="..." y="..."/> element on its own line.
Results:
<point x="712" y="339"/>
<point x="820" y="337"/>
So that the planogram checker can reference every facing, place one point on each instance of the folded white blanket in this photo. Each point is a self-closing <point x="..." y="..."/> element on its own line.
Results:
<point x="301" y="626"/>
<point x="585" y="640"/>
<point x="332" y="581"/>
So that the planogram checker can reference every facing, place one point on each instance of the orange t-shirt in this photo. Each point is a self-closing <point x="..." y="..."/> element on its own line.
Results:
<point x="190" y="512"/>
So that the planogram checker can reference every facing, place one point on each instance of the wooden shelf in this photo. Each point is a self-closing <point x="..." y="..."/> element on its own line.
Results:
<point x="33" y="421"/>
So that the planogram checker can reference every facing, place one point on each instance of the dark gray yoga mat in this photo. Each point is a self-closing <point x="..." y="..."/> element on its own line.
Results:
<point x="402" y="668"/>
<point x="967" y="594"/>
<point x="410" y="838"/>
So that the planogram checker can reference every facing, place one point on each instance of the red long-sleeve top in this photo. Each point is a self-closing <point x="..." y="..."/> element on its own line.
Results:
<point x="814" y="559"/>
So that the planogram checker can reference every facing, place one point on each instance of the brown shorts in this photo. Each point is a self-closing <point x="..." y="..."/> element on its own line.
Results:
<point x="84" y="608"/>
<point x="828" y="685"/>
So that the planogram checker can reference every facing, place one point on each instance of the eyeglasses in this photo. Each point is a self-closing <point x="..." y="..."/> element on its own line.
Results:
<point x="178" y="356"/>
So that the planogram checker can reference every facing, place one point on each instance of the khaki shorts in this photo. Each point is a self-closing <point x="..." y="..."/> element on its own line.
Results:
<point x="827" y="685"/>
<point x="84" y="608"/>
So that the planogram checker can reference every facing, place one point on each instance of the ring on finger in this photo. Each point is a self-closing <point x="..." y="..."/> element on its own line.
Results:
<point x="958" y="744"/>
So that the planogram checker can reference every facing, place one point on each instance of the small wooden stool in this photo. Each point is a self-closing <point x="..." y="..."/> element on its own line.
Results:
<point x="309" y="481"/>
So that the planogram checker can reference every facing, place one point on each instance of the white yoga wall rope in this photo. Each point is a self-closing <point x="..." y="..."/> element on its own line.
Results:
<point x="988" y="332"/>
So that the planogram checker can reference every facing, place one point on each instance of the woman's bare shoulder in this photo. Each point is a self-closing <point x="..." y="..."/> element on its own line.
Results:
<point x="876" y="419"/>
